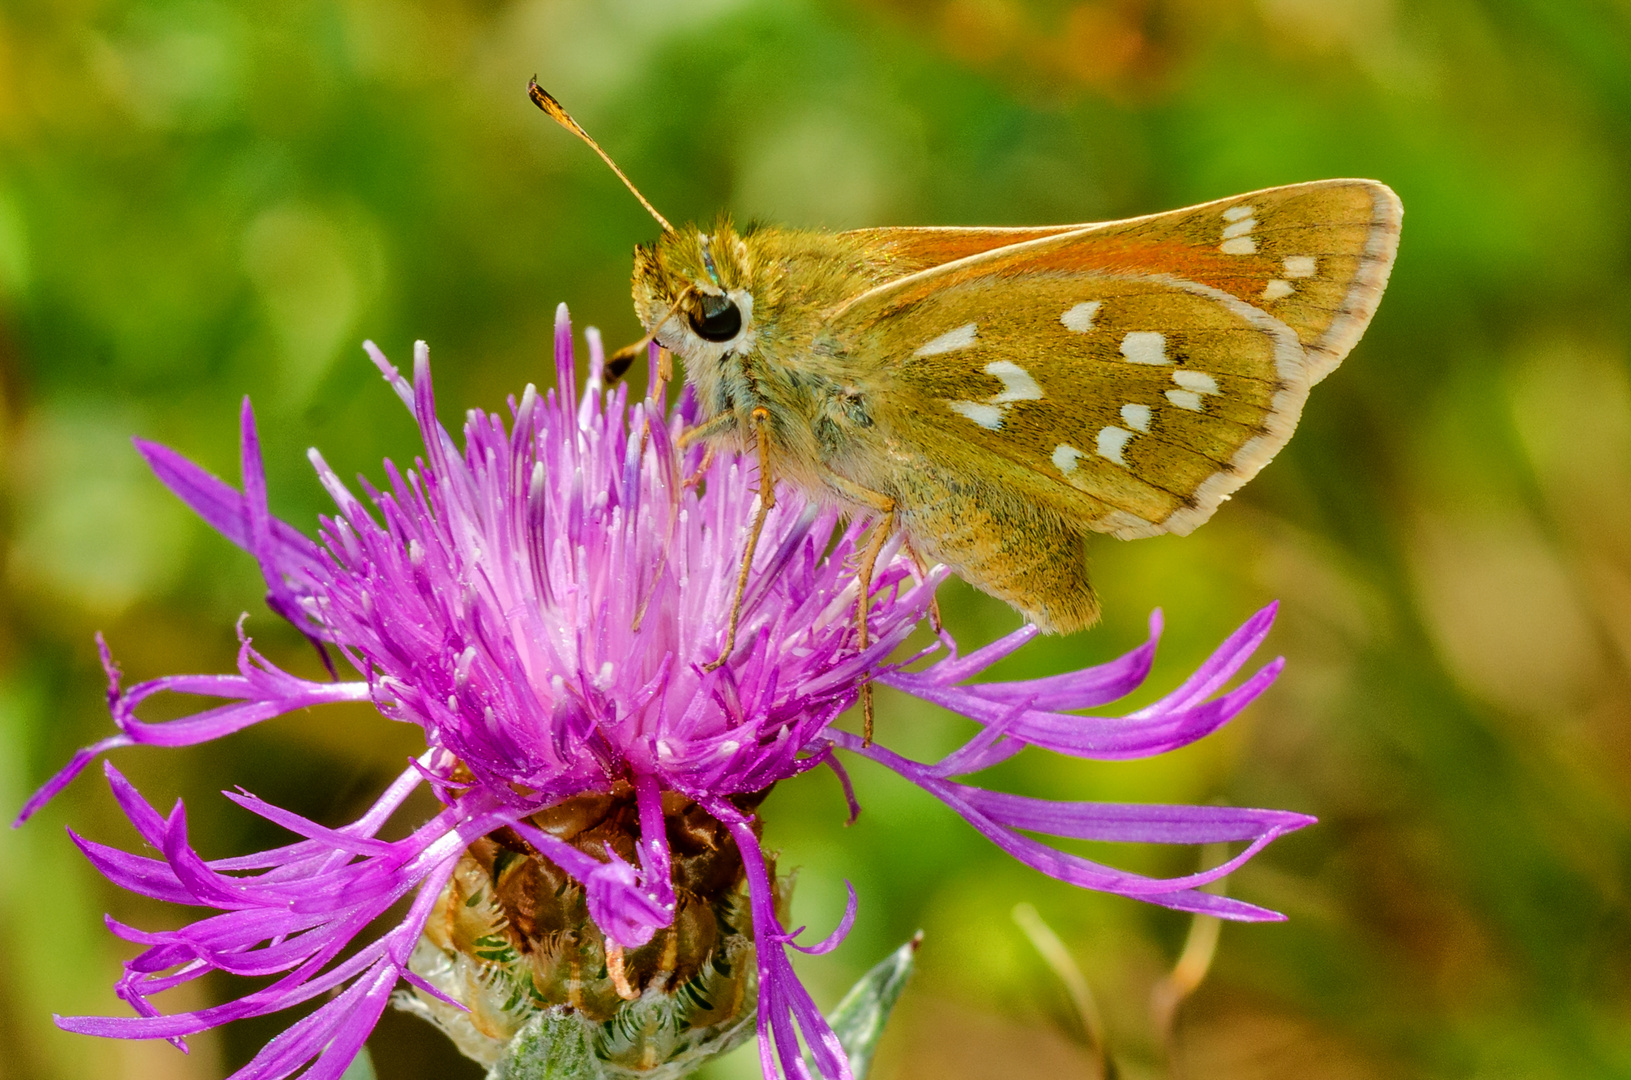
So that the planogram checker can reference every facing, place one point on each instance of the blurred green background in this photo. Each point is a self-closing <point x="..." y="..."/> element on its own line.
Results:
<point x="200" y="200"/>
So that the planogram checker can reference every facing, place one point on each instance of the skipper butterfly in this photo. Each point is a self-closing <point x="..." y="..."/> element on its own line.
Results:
<point x="995" y="394"/>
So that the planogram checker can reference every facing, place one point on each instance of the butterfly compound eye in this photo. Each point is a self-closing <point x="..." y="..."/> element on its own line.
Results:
<point x="719" y="320"/>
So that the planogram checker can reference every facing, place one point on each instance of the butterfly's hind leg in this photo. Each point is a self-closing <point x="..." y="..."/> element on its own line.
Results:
<point x="921" y="568"/>
<point x="863" y="602"/>
<point x="767" y="500"/>
<point x="888" y="517"/>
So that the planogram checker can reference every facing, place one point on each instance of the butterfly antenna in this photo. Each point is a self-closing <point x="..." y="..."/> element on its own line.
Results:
<point x="552" y="108"/>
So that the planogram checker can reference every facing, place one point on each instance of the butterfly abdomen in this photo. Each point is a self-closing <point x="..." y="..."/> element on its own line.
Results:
<point x="1018" y="553"/>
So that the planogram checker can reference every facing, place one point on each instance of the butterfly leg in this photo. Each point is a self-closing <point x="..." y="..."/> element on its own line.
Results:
<point x="921" y="568"/>
<point x="702" y="469"/>
<point x="888" y="516"/>
<point x="706" y="430"/>
<point x="665" y="366"/>
<point x="863" y="602"/>
<point x="767" y="499"/>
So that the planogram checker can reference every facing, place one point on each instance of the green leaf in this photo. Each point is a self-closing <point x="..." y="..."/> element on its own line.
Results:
<point x="361" y="1067"/>
<point x="553" y="1046"/>
<point x="859" y="1019"/>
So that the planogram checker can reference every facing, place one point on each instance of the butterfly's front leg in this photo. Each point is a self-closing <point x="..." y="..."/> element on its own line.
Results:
<point x="886" y="507"/>
<point x="706" y="432"/>
<point x="702" y="467"/>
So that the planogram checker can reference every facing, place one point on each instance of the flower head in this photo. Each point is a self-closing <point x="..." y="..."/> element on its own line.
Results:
<point x="544" y="603"/>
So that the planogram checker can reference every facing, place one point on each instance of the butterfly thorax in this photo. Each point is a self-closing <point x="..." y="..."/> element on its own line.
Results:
<point x="746" y="313"/>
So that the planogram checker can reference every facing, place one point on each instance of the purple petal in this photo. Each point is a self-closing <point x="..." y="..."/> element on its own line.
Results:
<point x="1155" y="730"/>
<point x="998" y="817"/>
<point x="834" y="939"/>
<point x="1138" y="823"/>
<point x="219" y="504"/>
<point x="1221" y="666"/>
<point x="264" y="692"/>
<point x="656" y="864"/>
<point x="65" y="776"/>
<point x="1085" y="689"/>
<point x="785" y="1007"/>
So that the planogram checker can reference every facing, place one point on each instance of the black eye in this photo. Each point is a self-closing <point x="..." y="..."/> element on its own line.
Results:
<point x="719" y="319"/>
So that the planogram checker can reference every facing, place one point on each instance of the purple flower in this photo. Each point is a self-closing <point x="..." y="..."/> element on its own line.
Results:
<point x="544" y="603"/>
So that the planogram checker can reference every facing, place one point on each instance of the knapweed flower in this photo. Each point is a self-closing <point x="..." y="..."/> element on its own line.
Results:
<point x="545" y="603"/>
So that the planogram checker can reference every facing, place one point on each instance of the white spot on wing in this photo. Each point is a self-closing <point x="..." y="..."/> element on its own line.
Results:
<point x="1239" y="245"/>
<point x="1145" y="347"/>
<point x="1235" y="213"/>
<point x="1296" y="370"/>
<point x="1017" y="384"/>
<point x="1185" y="399"/>
<point x="987" y="416"/>
<point x="1136" y="417"/>
<point x="1300" y="266"/>
<point x="1080" y="317"/>
<point x="950" y="341"/>
<point x="1198" y="381"/>
<point x="1239" y="228"/>
<point x="1110" y="443"/>
<point x="1065" y="457"/>
<point x="1278" y="290"/>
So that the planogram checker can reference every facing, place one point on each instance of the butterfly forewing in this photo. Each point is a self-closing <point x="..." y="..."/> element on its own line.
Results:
<point x="1131" y="375"/>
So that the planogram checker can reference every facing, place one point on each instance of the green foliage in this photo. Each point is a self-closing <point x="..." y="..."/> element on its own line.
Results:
<point x="859" y="1017"/>
<point x="361" y="1067"/>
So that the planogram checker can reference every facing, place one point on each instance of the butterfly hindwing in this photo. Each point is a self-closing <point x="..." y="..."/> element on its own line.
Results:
<point x="1131" y="375"/>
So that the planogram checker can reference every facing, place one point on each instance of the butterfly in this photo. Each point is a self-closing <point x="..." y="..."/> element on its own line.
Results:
<point x="996" y="394"/>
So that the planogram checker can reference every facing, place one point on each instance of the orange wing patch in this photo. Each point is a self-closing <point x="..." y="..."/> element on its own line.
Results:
<point x="1315" y="256"/>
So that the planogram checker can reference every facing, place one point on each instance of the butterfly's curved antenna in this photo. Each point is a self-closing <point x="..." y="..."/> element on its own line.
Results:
<point x="552" y="108"/>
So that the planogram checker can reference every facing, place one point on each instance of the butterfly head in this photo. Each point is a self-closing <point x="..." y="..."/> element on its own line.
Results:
<point x="693" y="288"/>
